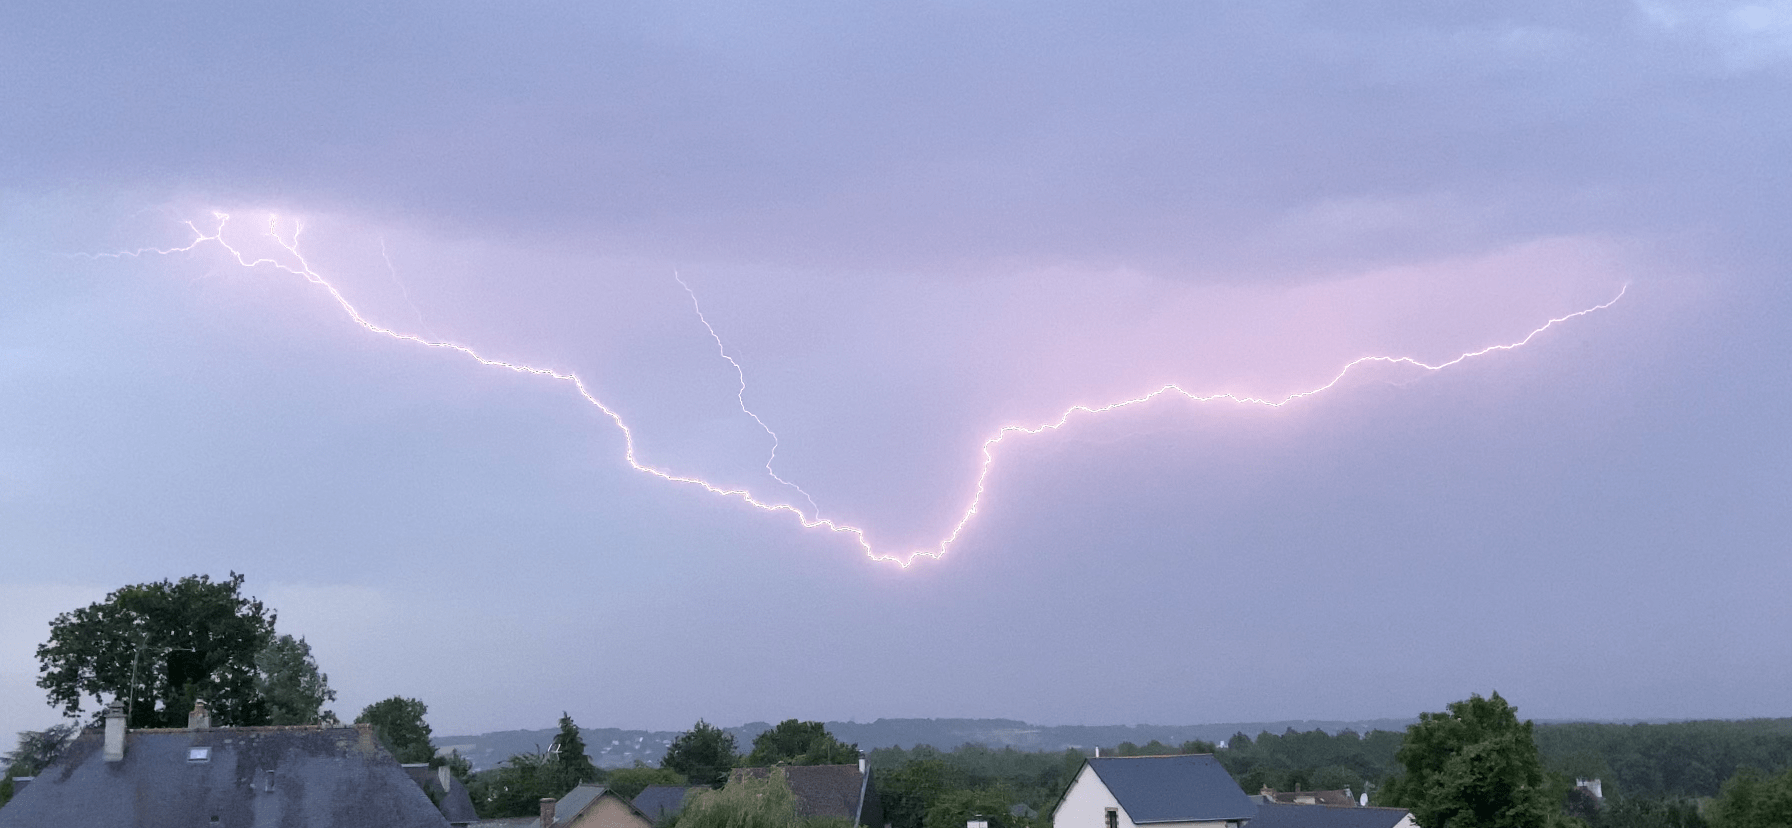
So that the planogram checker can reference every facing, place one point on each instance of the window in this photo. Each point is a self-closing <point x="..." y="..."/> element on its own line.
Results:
<point x="1113" y="818"/>
<point x="199" y="754"/>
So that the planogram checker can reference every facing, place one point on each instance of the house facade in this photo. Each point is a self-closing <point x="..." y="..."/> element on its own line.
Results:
<point x="1189" y="791"/>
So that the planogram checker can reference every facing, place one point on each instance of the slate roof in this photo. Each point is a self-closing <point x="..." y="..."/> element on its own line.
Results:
<point x="455" y="803"/>
<point x="294" y="777"/>
<point x="1326" y="816"/>
<point x="823" y="790"/>
<point x="661" y="801"/>
<point x="1173" y="788"/>
<point x="574" y="803"/>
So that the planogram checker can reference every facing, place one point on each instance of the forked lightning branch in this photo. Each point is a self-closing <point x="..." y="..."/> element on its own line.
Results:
<point x="295" y="264"/>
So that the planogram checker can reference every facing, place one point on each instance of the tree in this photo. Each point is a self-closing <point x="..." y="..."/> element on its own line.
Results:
<point x="1474" y="767"/>
<point x="36" y="750"/>
<point x="290" y="684"/>
<point x="746" y="802"/>
<point x="795" y="742"/>
<point x="959" y="807"/>
<point x="704" y="754"/>
<point x="567" y="764"/>
<point x="514" y="788"/>
<point x="399" y="724"/>
<point x="1751" y="799"/>
<point x="630" y="782"/>
<point x="157" y="647"/>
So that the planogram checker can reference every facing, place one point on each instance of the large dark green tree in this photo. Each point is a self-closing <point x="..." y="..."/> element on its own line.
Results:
<point x="1752" y="799"/>
<point x="157" y="647"/>
<point x="291" y="686"/>
<point x="568" y="764"/>
<point x="36" y="750"/>
<point x="704" y="754"/>
<point x="1475" y="766"/>
<point x="399" y="724"/>
<point x="795" y="742"/>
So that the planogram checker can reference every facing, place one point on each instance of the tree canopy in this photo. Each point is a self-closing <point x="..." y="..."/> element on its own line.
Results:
<point x="1752" y="799"/>
<point x="704" y="754"/>
<point x="35" y="751"/>
<point x="1475" y="766"/>
<point x="290" y="684"/>
<point x="795" y="742"/>
<point x="399" y="724"/>
<point x="567" y="764"/>
<point x="159" y="646"/>
<point x="746" y="802"/>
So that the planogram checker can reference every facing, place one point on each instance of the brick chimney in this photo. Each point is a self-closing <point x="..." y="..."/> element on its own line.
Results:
<point x="547" y="811"/>
<point x="115" y="732"/>
<point x="200" y="718"/>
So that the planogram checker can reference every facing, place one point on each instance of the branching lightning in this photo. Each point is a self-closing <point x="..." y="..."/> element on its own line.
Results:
<point x="630" y="455"/>
<point x="740" y="394"/>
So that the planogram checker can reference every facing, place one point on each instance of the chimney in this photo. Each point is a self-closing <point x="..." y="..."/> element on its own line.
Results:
<point x="443" y="777"/>
<point x="862" y="764"/>
<point x="547" y="811"/>
<point x="200" y="718"/>
<point x="115" y="732"/>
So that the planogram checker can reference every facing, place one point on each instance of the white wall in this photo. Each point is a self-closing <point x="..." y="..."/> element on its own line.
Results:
<point x="1086" y="804"/>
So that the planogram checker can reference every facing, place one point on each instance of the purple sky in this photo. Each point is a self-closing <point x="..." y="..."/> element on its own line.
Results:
<point x="913" y="224"/>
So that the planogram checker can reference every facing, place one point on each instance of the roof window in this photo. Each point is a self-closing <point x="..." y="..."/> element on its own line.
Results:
<point x="199" y="754"/>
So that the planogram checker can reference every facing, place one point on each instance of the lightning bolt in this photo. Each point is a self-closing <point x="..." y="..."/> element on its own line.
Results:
<point x="740" y="394"/>
<point x="631" y="456"/>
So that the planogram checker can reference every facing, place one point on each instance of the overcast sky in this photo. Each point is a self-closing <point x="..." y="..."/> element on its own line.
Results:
<point x="912" y="224"/>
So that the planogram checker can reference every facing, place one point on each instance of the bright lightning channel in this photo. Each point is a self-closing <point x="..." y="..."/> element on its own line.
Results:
<point x="971" y="509"/>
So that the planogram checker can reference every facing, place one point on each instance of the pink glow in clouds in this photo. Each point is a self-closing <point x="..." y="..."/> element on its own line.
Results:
<point x="1068" y="348"/>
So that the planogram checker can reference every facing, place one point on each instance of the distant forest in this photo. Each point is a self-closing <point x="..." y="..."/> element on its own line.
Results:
<point x="1673" y="761"/>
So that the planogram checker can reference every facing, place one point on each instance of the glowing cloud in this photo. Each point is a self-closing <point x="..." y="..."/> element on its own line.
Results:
<point x="298" y="266"/>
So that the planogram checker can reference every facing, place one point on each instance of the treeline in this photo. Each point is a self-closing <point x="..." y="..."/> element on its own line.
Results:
<point x="1677" y="760"/>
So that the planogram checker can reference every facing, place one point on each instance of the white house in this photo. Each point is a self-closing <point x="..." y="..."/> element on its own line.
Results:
<point x="1189" y="791"/>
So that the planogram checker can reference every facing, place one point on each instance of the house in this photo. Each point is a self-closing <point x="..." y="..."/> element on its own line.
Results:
<point x="1187" y="791"/>
<point x="1277" y="815"/>
<point x="309" y="776"/>
<point x="661" y="802"/>
<point x="589" y="806"/>
<point x="449" y="795"/>
<point x="843" y="791"/>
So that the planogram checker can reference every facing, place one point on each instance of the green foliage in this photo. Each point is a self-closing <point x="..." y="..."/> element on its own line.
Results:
<point x="159" y="646"/>
<point x="1631" y="812"/>
<point x="704" y="754"/>
<point x="1474" y="767"/>
<point x="795" y="742"/>
<point x="514" y="788"/>
<point x="1674" y="761"/>
<point x="459" y="766"/>
<point x="290" y="684"/>
<point x="399" y="724"/>
<point x="628" y="783"/>
<point x="911" y="782"/>
<point x="1752" y="799"/>
<point x="1313" y="760"/>
<point x="35" y="751"/>
<point x="567" y="764"/>
<point x="747" y="801"/>
<point x="955" y="808"/>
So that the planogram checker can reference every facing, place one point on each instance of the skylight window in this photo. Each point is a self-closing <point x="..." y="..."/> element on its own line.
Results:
<point x="199" y="754"/>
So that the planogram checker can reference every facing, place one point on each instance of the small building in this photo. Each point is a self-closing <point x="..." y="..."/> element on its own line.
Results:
<point x="1277" y="815"/>
<point x="661" y="802"/>
<point x="310" y="776"/>
<point x="1187" y="791"/>
<point x="590" y="806"/>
